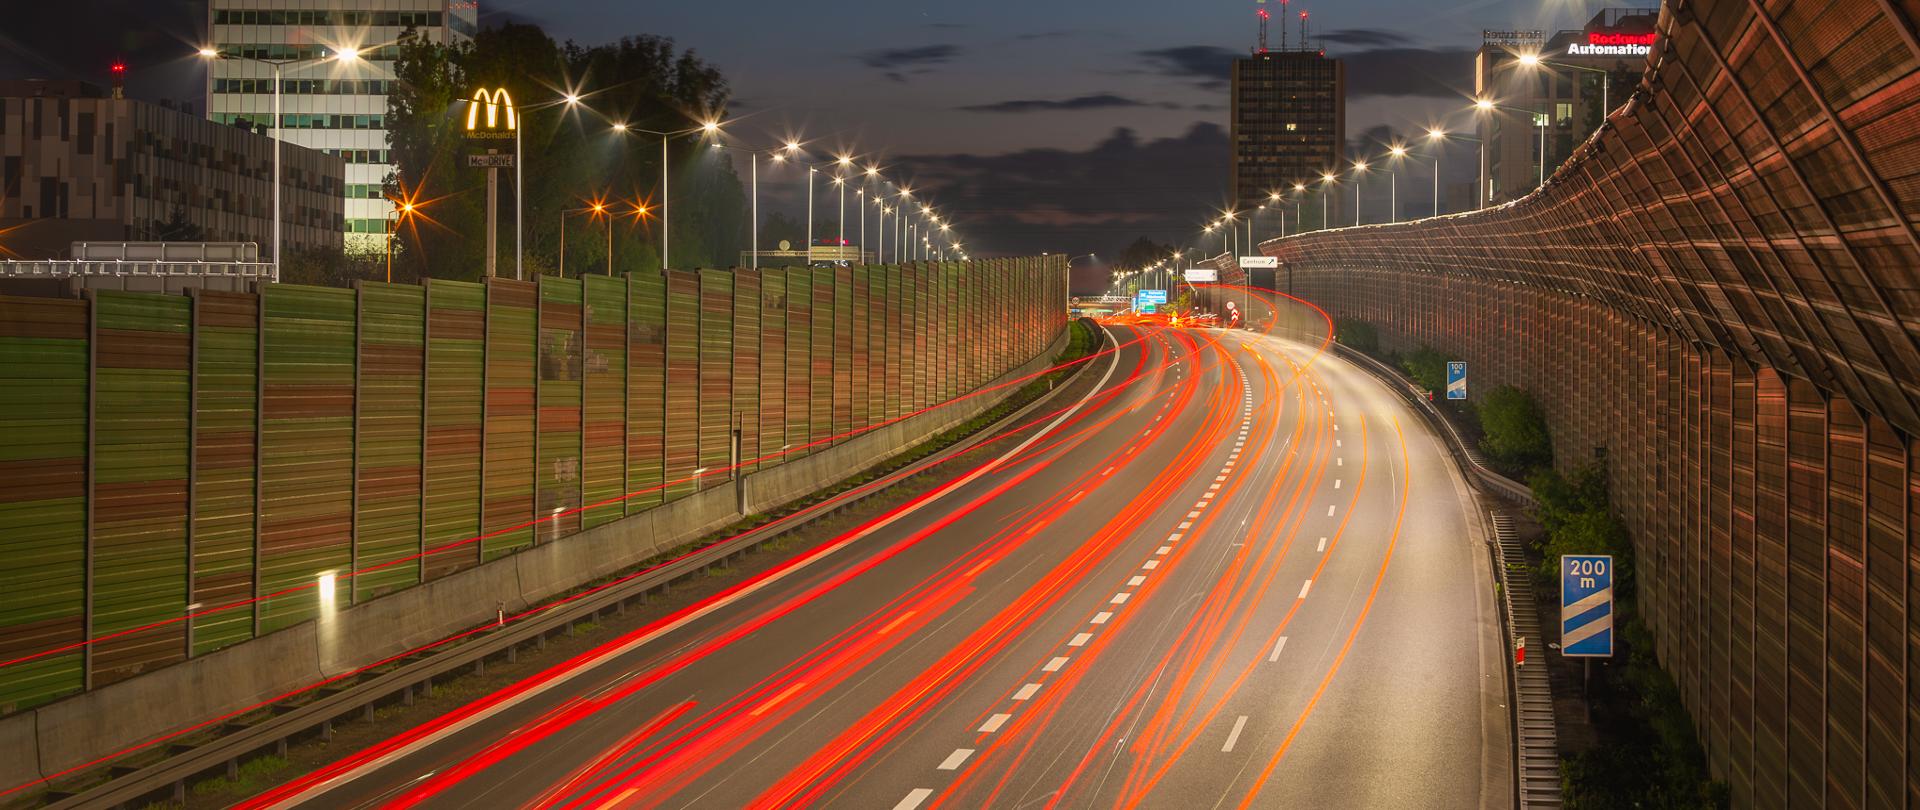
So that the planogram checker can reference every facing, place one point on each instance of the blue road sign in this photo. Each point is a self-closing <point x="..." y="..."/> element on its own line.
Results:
<point x="1154" y="296"/>
<point x="1586" y="605"/>
<point x="1457" y="379"/>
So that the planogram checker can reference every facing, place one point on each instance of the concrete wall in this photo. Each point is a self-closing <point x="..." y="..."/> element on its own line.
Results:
<point x="72" y="732"/>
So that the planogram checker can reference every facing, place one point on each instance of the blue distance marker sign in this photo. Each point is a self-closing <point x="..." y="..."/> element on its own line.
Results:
<point x="1457" y="379"/>
<point x="1586" y="605"/>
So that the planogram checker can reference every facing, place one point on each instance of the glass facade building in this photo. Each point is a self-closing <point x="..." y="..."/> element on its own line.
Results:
<point x="336" y="108"/>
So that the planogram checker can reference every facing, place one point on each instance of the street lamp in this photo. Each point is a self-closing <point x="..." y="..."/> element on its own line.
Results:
<point x="403" y="210"/>
<point x="1359" y="168"/>
<point x="1539" y="119"/>
<point x="706" y="129"/>
<point x="1326" y="179"/>
<point x="343" y="55"/>
<point x="1397" y="153"/>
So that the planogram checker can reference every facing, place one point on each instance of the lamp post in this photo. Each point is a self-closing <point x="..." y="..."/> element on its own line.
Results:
<point x="344" y="55"/>
<point x="1436" y="136"/>
<point x="402" y="209"/>
<point x="1534" y="60"/>
<point x="707" y="129"/>
<point x="1396" y="154"/>
<point x="1359" y="168"/>
<point x="1540" y="119"/>
<point x="1326" y="180"/>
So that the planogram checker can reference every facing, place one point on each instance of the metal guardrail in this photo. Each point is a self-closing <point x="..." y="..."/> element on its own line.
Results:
<point x="1536" y="766"/>
<point x="422" y="668"/>
<point x="69" y="268"/>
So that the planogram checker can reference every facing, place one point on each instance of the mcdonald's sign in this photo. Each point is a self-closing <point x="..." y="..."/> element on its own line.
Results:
<point x="485" y="120"/>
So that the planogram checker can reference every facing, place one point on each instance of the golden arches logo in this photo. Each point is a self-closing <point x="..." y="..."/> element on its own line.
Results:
<point x="493" y="100"/>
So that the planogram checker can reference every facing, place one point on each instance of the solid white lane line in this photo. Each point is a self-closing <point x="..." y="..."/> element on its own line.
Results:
<point x="1080" y="640"/>
<point x="1026" y="691"/>
<point x="1055" y="664"/>
<point x="1077" y="496"/>
<point x="1277" y="647"/>
<point x="1119" y="598"/>
<point x="913" y="799"/>
<point x="1102" y="617"/>
<point x="1323" y="545"/>
<point x="1234" y="736"/>
<point x="954" y="760"/>
<point x="994" y="723"/>
<point x="1304" y="587"/>
<point x="1135" y="582"/>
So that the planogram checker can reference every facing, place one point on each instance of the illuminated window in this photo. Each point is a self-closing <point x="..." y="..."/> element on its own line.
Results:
<point x="1292" y="127"/>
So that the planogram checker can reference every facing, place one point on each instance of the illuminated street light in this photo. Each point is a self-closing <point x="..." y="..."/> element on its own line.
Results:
<point x="346" y="55"/>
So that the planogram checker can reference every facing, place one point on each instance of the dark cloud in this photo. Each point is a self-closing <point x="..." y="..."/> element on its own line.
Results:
<point x="1044" y="35"/>
<point x="1364" y="37"/>
<point x="1208" y="65"/>
<point x="1096" y="101"/>
<point x="896" y="58"/>
<point x="1094" y="200"/>
<point x="1441" y="73"/>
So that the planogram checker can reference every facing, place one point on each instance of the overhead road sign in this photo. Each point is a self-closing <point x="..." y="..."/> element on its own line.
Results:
<point x="1202" y="275"/>
<point x="1154" y="296"/>
<point x="1586" y="605"/>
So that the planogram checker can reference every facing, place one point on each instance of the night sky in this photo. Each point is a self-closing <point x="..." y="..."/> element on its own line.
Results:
<point x="1037" y="124"/>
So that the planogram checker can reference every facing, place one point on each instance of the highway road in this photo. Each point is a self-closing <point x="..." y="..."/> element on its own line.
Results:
<point x="1239" y="573"/>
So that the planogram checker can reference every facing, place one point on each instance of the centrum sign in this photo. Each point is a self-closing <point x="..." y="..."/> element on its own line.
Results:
<point x="485" y="118"/>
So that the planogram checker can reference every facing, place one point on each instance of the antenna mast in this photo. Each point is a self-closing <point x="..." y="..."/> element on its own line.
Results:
<point x="1283" y="24"/>
<point x="1263" y="24"/>
<point x="1303" y="32"/>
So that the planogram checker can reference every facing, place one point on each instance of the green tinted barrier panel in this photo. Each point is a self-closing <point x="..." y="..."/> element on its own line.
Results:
<point x="646" y="390"/>
<point x="456" y="368"/>
<point x="306" y="450"/>
<point x="842" y="353"/>
<point x="141" y="438"/>
<point x="391" y="418"/>
<point x="716" y="377"/>
<point x="773" y="366"/>
<point x="746" y="365"/>
<point x="820" y="416"/>
<point x="682" y="426"/>
<point x="226" y="409"/>
<point x="604" y="405"/>
<point x="562" y="342"/>
<point x="507" y="488"/>
<point x="799" y="361"/>
<point x="862" y="383"/>
<point x="43" y="411"/>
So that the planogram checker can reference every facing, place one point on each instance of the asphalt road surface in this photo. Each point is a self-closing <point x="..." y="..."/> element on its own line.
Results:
<point x="1239" y="573"/>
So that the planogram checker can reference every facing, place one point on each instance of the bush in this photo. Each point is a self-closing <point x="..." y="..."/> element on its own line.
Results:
<point x="1357" y="335"/>
<point x="1648" y="756"/>
<point x="1514" y="431"/>
<point x="1427" y="367"/>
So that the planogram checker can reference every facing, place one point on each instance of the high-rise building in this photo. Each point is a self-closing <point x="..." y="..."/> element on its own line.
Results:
<point x="1557" y="87"/>
<point x="338" y="107"/>
<point x="1289" y="114"/>
<point x="80" y="165"/>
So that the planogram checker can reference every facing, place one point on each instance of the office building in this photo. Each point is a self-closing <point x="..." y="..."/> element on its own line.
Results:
<point x="78" y="164"/>
<point x="1288" y="120"/>
<point x="1553" y="86"/>
<point x="336" y="107"/>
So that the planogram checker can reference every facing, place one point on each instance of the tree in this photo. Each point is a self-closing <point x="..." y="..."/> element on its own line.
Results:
<point x="177" y="228"/>
<point x="1427" y="367"/>
<point x="1142" y="253"/>
<point x="573" y="158"/>
<point x="778" y="227"/>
